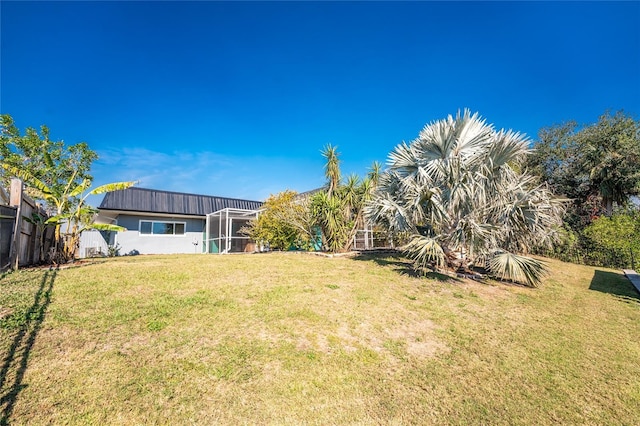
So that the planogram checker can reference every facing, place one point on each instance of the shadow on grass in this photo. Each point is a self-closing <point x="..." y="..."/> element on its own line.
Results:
<point x="403" y="266"/>
<point x="615" y="284"/>
<point x="16" y="358"/>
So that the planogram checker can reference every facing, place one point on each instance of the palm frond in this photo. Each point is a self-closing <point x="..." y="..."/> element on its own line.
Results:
<point x="332" y="167"/>
<point x="425" y="251"/>
<point x="508" y="146"/>
<point x="520" y="269"/>
<point x="402" y="157"/>
<point x="374" y="172"/>
<point x="383" y="209"/>
<point x="472" y="134"/>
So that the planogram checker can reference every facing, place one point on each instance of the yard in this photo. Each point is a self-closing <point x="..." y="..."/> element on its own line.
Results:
<point x="298" y="339"/>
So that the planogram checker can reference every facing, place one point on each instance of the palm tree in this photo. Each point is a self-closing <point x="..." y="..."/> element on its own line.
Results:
<point x="456" y="190"/>
<point x="338" y="210"/>
<point x="332" y="168"/>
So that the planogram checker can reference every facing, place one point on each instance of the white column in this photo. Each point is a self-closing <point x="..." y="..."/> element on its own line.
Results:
<point x="206" y="234"/>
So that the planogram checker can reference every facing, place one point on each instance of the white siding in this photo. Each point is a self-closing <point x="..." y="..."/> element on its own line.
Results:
<point x="92" y="241"/>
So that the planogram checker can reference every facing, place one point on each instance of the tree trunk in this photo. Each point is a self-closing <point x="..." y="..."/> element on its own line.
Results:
<point x="608" y="202"/>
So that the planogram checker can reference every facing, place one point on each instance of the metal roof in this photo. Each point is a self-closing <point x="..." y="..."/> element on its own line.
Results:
<point x="155" y="201"/>
<point x="311" y="192"/>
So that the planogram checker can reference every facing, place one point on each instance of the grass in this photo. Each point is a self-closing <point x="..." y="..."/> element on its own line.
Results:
<point x="298" y="339"/>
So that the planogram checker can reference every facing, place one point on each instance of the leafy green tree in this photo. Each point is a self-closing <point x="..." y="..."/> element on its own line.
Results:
<point x="339" y="208"/>
<point x="596" y="166"/>
<point x="457" y="190"/>
<point x="555" y="159"/>
<point x="612" y="158"/>
<point x="283" y="223"/>
<point x="620" y="232"/>
<point x="51" y="162"/>
<point x="56" y="174"/>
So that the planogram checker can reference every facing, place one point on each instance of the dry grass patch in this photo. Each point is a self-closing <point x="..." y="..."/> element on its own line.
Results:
<point x="295" y="339"/>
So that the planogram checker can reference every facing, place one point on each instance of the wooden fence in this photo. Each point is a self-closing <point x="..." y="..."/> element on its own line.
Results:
<point x="22" y="243"/>
<point x="7" y="223"/>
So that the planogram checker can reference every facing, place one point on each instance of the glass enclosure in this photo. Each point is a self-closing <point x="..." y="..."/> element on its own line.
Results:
<point x="222" y="231"/>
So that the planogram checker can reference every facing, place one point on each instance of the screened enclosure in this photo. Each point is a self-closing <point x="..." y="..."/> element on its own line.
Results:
<point x="369" y="239"/>
<point x="222" y="231"/>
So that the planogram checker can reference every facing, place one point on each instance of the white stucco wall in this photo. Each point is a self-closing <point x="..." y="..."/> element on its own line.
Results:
<point x="131" y="241"/>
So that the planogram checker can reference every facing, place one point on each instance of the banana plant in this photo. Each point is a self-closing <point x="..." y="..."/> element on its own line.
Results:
<point x="82" y="219"/>
<point x="68" y="202"/>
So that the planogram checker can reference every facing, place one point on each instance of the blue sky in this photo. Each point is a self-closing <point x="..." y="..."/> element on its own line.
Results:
<point x="238" y="99"/>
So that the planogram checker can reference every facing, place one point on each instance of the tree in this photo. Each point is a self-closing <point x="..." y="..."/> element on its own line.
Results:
<point x="332" y="168"/>
<point x="338" y="209"/>
<point x="621" y="232"/>
<point x="554" y="159"/>
<point x="51" y="162"/>
<point x="596" y="166"/>
<point x="56" y="174"/>
<point x="456" y="188"/>
<point x="612" y="158"/>
<point x="285" y="222"/>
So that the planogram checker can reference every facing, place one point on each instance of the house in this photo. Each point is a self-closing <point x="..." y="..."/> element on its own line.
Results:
<point x="164" y="222"/>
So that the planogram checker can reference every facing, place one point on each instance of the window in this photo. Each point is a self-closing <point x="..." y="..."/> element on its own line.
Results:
<point x="152" y="227"/>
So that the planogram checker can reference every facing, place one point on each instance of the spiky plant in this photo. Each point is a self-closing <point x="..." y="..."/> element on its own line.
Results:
<point x="338" y="209"/>
<point x="457" y="190"/>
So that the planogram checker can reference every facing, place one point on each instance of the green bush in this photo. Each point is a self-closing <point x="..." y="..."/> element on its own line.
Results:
<point x="618" y="234"/>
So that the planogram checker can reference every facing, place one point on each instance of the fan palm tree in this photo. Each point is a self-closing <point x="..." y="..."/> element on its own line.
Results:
<point x="455" y="188"/>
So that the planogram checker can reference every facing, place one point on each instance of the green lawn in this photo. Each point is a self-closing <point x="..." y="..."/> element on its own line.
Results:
<point x="300" y="339"/>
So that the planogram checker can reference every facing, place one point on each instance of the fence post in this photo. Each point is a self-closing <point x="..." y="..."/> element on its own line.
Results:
<point x="15" y="200"/>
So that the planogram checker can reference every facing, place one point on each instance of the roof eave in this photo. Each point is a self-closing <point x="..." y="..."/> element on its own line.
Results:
<point x="116" y="212"/>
